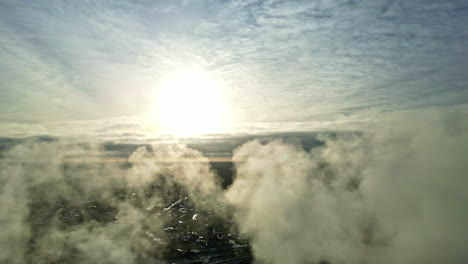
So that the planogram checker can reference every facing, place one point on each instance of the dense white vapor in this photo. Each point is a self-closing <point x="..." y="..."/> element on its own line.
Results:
<point x="55" y="209"/>
<point x="395" y="193"/>
<point x="188" y="166"/>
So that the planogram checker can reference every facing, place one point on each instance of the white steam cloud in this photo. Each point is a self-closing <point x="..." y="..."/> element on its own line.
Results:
<point x="393" y="193"/>
<point x="55" y="209"/>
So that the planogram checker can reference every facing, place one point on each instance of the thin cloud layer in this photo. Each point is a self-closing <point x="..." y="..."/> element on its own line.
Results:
<point x="281" y="61"/>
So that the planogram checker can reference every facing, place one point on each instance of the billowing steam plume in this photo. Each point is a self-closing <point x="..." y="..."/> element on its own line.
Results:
<point x="395" y="192"/>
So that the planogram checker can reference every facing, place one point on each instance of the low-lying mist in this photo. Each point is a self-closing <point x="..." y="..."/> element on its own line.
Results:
<point x="393" y="193"/>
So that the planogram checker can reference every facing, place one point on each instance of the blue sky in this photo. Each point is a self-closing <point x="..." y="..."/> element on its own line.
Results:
<point x="299" y="64"/>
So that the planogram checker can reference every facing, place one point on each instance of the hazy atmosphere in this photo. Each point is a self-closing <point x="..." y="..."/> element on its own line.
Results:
<point x="243" y="131"/>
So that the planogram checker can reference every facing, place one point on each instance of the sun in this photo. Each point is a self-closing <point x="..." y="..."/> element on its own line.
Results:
<point x="190" y="102"/>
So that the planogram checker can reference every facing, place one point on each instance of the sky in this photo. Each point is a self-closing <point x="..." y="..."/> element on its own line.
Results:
<point x="97" y="66"/>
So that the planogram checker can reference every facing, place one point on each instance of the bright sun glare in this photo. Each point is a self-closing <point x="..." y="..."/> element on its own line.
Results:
<point x="190" y="102"/>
